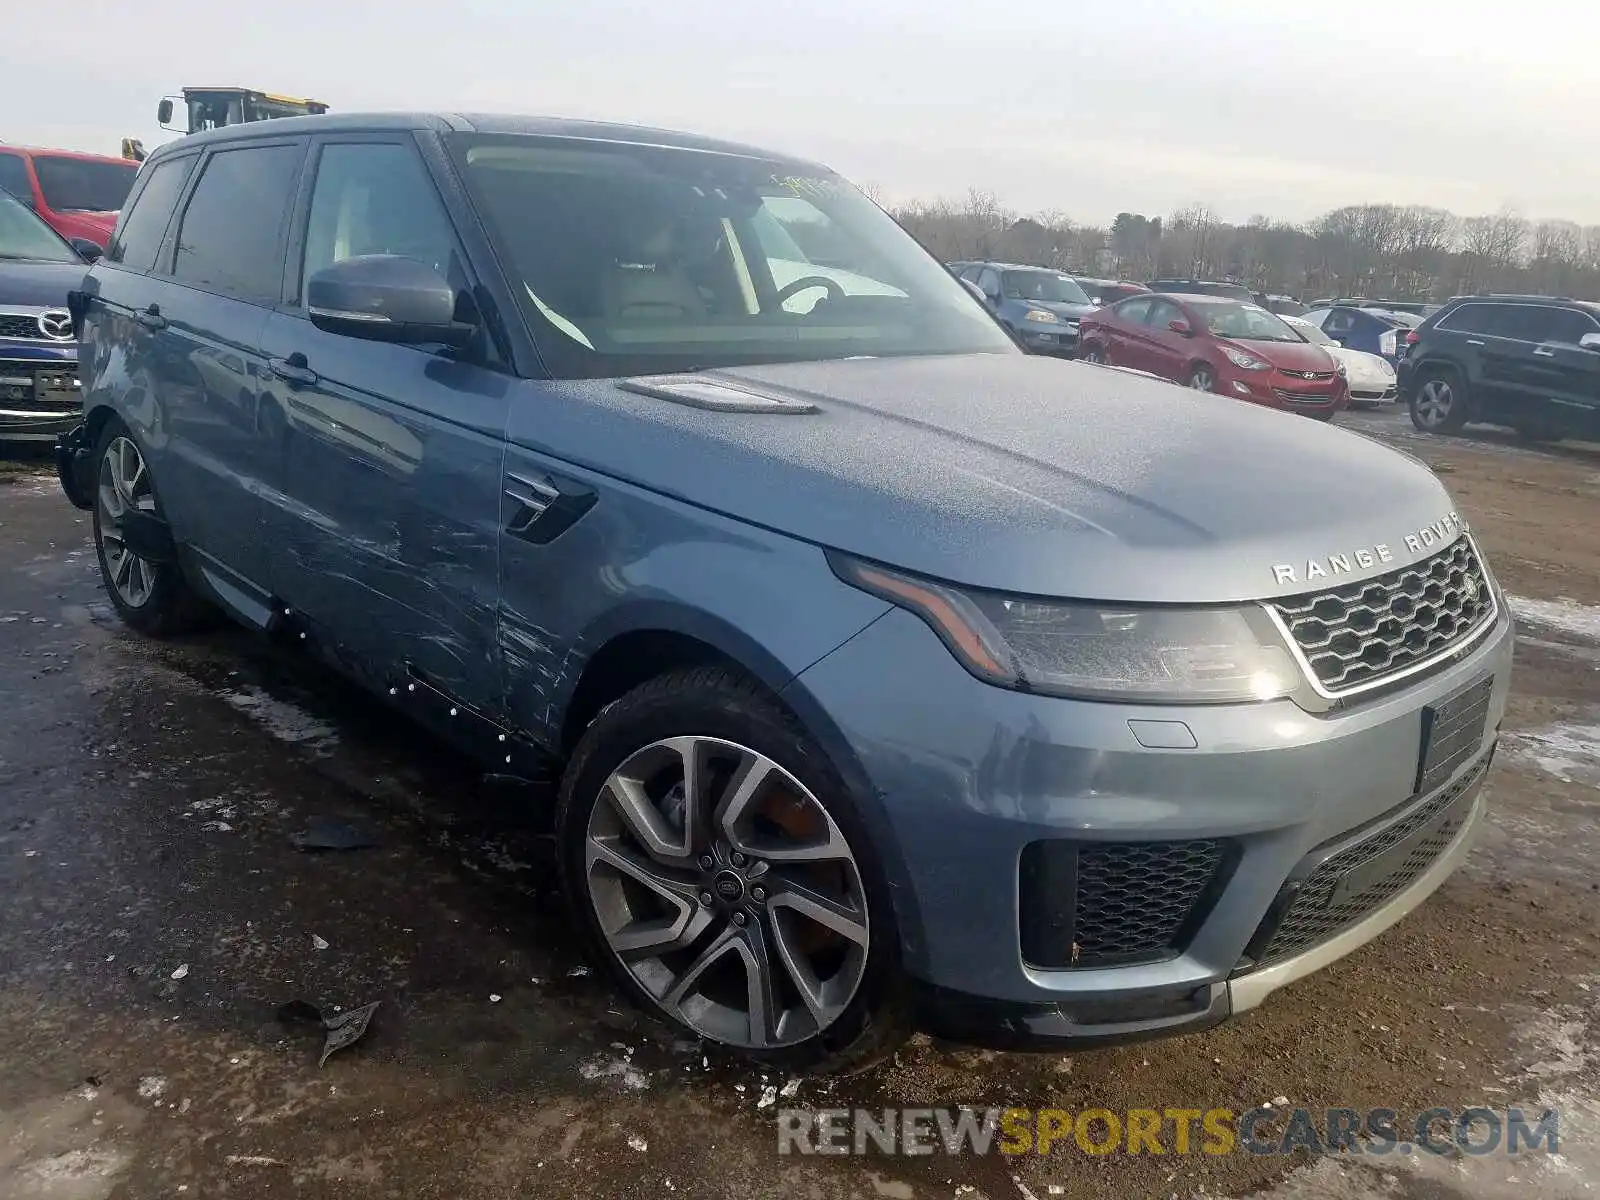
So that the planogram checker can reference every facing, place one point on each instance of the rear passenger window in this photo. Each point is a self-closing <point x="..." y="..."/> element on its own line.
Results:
<point x="1495" y="320"/>
<point x="1133" y="310"/>
<point x="139" y="234"/>
<point x="376" y="199"/>
<point x="231" y="238"/>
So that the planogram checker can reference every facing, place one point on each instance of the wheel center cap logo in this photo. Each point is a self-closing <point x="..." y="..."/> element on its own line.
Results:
<point x="729" y="886"/>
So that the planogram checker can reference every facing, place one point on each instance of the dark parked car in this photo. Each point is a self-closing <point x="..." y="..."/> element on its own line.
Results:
<point x="1218" y="345"/>
<point x="1203" y="287"/>
<point x="1528" y="362"/>
<point x="1417" y="308"/>
<point x="39" y="397"/>
<point x="1373" y="330"/>
<point x="892" y="676"/>
<point x="1039" y="306"/>
<point x="1282" y="306"/>
<point x="1109" y="291"/>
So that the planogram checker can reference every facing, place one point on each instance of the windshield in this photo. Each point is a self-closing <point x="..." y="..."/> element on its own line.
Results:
<point x="1310" y="332"/>
<point x="633" y="259"/>
<point x="84" y="184"/>
<point x="1247" y="322"/>
<point x="24" y="235"/>
<point x="1042" y="285"/>
<point x="1399" y="320"/>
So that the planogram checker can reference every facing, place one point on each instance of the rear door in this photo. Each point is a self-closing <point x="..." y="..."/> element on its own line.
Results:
<point x="1165" y="353"/>
<point x="385" y="535"/>
<point x="206" y="307"/>
<point x="1124" y="326"/>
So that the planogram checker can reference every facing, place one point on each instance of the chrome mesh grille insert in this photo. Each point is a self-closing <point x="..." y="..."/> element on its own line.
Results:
<point x="1362" y="633"/>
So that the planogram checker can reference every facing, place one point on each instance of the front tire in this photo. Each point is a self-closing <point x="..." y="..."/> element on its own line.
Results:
<point x="1202" y="378"/>
<point x="1438" y="402"/>
<point x="153" y="598"/>
<point x="1094" y="354"/>
<point x="716" y="866"/>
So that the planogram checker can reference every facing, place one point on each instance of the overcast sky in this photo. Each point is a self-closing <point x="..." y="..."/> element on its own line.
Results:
<point x="1282" y="107"/>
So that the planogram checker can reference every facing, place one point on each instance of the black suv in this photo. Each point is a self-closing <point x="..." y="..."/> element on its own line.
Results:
<point x="1529" y="362"/>
<point x="1203" y="287"/>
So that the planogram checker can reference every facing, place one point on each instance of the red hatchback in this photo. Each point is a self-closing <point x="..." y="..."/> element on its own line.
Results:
<point x="1215" y="344"/>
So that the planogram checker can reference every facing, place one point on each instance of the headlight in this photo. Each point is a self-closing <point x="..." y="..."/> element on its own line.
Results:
<point x="1386" y="367"/>
<point x="1132" y="653"/>
<point x="1039" y="314"/>
<point x="1247" y="362"/>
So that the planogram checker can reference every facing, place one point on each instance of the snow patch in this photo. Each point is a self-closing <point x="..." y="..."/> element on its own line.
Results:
<point x="620" y="1069"/>
<point x="284" y="721"/>
<point x="1581" y="621"/>
<point x="1564" y="749"/>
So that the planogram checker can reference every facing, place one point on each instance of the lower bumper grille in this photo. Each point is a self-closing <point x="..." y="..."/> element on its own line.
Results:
<point x="48" y="389"/>
<point x="1100" y="904"/>
<point x="1289" y="396"/>
<point x="1345" y="881"/>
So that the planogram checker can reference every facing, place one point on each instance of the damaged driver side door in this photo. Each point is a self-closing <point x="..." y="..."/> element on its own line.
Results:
<point x="384" y="538"/>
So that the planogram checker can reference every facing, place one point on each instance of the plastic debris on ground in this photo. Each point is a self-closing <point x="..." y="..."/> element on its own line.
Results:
<point x="335" y="833"/>
<point x="343" y="1029"/>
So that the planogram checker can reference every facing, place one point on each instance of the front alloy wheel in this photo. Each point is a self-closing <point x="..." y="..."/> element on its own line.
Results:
<point x="727" y="892"/>
<point x="1202" y="379"/>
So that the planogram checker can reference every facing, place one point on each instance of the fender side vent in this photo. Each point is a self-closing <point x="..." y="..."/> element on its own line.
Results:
<point x="713" y="394"/>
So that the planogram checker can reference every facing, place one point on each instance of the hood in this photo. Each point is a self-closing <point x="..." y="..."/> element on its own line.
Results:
<point x="1061" y="308"/>
<point x="1019" y="473"/>
<point x="41" y="284"/>
<point x="1358" y="364"/>
<point x="1286" y="356"/>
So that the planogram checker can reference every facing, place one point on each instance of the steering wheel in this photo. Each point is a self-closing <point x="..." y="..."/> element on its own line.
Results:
<point x="789" y="290"/>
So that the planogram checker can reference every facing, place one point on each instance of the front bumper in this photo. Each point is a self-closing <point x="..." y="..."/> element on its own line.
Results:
<point x="1276" y="390"/>
<point x="966" y="777"/>
<point x="1060" y="339"/>
<point x="40" y="398"/>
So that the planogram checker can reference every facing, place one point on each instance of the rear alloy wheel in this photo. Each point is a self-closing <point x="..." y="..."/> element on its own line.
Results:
<point x="153" y="597"/>
<point x="1203" y="379"/>
<point x="719" y="885"/>
<point x="1436" y="404"/>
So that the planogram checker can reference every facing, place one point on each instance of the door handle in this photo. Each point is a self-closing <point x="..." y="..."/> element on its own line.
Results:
<point x="1474" y="342"/>
<point x="151" y="318"/>
<point x="1544" y="352"/>
<point x="294" y="369"/>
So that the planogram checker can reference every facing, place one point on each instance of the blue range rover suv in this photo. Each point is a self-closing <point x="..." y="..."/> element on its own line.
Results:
<point x="894" y="678"/>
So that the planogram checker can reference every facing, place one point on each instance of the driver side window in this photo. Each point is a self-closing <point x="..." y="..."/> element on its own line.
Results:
<point x="376" y="198"/>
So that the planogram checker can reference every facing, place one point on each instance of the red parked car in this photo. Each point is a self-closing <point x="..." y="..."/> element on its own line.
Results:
<point x="77" y="195"/>
<point x="1216" y="344"/>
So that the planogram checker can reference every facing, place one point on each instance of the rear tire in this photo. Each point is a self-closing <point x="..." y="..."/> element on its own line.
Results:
<point x="1438" y="402"/>
<point x="153" y="598"/>
<point x="686" y="894"/>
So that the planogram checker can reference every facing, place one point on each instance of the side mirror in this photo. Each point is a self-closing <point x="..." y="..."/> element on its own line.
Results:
<point x="164" y="111"/>
<point x="1589" y="341"/>
<point x="91" y="251"/>
<point x="1180" y="326"/>
<point x="386" y="298"/>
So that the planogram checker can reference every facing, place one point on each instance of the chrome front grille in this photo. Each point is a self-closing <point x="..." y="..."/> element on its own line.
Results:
<point x="20" y="328"/>
<point x="1360" y="634"/>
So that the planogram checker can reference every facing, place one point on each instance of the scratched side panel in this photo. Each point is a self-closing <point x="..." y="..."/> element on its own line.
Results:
<point x="385" y="531"/>
<point x="638" y="560"/>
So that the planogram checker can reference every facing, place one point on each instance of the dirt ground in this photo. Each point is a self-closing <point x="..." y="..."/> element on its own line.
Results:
<point x="157" y="916"/>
